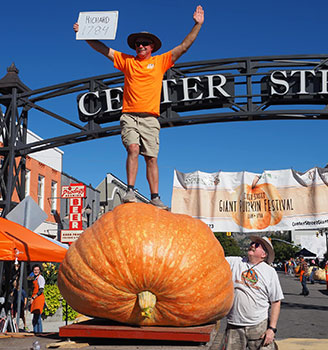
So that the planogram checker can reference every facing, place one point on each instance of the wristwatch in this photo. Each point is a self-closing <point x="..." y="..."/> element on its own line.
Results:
<point x="273" y="329"/>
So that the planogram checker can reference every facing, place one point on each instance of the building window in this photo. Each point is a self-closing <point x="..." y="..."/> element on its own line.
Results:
<point x="41" y="191"/>
<point x="53" y="195"/>
<point x="27" y="182"/>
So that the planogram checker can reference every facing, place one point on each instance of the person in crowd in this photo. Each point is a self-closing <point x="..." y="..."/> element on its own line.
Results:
<point x="317" y="261"/>
<point x="303" y="276"/>
<point x="326" y="270"/>
<point x="37" y="299"/>
<point x="250" y="324"/>
<point x="15" y="271"/>
<point x="23" y="303"/>
<point x="313" y="270"/>
<point x="286" y="266"/>
<point x="291" y="266"/>
<point x="141" y="99"/>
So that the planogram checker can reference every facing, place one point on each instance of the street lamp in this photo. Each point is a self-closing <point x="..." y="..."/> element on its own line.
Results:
<point x="88" y="212"/>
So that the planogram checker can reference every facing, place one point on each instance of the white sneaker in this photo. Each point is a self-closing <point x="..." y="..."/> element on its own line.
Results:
<point x="158" y="203"/>
<point x="130" y="197"/>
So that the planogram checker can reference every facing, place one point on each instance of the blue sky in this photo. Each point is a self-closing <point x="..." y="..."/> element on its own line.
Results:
<point x="38" y="37"/>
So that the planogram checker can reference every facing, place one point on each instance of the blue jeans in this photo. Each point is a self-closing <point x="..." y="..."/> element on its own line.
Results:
<point x="37" y="323"/>
<point x="305" y="290"/>
<point x="312" y="275"/>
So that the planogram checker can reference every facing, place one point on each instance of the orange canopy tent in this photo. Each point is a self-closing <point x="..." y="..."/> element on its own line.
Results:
<point x="16" y="241"/>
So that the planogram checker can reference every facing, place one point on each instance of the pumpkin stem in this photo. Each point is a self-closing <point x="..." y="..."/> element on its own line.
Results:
<point x="147" y="301"/>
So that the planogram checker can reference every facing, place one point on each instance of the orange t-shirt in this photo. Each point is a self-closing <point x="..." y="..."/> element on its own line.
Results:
<point x="142" y="81"/>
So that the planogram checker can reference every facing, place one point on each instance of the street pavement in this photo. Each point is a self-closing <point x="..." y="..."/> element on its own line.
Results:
<point x="302" y="326"/>
<point x="303" y="317"/>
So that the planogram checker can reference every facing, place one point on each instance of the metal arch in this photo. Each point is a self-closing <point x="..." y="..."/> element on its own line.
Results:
<point x="247" y="106"/>
<point x="247" y="102"/>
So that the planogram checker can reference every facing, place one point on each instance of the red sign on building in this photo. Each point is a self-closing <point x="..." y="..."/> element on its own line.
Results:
<point x="75" y="193"/>
<point x="73" y="190"/>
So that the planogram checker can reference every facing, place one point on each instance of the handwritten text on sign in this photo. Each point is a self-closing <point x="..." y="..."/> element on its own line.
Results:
<point x="97" y="25"/>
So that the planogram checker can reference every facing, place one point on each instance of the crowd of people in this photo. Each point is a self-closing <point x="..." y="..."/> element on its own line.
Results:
<point x="305" y="269"/>
<point x="32" y="300"/>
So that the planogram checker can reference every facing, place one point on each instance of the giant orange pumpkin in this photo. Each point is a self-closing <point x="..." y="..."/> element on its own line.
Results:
<point x="142" y="265"/>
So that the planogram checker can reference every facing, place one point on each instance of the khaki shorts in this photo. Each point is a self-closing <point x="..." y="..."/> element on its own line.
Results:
<point x="241" y="338"/>
<point x="142" y="130"/>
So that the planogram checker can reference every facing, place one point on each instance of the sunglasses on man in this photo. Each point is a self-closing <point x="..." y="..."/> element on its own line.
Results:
<point x="257" y="244"/>
<point x="143" y="43"/>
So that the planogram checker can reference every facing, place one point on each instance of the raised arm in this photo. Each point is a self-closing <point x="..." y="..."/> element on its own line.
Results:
<point x="190" y="38"/>
<point x="98" y="45"/>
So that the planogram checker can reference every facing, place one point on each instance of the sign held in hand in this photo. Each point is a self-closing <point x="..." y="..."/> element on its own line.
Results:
<point x="99" y="25"/>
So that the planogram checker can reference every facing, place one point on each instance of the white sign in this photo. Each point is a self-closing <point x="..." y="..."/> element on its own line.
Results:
<point x="73" y="190"/>
<point x="68" y="236"/>
<point x="97" y="25"/>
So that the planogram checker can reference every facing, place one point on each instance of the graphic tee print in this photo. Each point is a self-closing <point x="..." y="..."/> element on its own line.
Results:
<point x="250" y="277"/>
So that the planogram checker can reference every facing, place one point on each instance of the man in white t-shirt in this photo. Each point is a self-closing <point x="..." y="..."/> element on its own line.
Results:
<point x="257" y="290"/>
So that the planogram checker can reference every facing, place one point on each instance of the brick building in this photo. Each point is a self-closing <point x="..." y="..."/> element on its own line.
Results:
<point x="43" y="184"/>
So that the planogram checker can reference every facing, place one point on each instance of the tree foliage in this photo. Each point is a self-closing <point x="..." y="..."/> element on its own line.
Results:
<point x="53" y="299"/>
<point x="229" y="244"/>
<point x="50" y="272"/>
<point x="283" y="250"/>
<point x="52" y="294"/>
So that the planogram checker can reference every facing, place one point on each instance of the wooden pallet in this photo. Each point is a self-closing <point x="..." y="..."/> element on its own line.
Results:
<point x="106" y="329"/>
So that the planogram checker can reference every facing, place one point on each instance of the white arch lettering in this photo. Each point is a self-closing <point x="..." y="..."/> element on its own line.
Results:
<point x="211" y="86"/>
<point x="186" y="89"/>
<point x="82" y="107"/>
<point x="109" y="99"/>
<point x="279" y="82"/>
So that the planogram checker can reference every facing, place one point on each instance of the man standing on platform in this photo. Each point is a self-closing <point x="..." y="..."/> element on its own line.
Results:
<point x="141" y="99"/>
<point x="257" y="289"/>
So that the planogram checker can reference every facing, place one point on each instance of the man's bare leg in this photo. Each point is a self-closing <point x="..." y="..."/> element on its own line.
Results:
<point x="132" y="164"/>
<point x="153" y="180"/>
<point x="131" y="172"/>
<point x="152" y="173"/>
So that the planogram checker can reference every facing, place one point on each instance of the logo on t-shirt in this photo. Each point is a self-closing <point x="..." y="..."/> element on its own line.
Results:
<point x="150" y="66"/>
<point x="249" y="278"/>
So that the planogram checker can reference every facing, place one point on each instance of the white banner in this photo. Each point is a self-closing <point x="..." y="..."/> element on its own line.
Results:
<point x="97" y="25"/>
<point x="250" y="202"/>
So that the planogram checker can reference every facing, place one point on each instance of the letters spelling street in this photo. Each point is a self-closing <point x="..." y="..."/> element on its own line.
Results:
<point x="257" y="205"/>
<point x="215" y="86"/>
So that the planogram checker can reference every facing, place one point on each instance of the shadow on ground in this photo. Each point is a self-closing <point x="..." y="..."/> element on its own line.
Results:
<point x="288" y="305"/>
